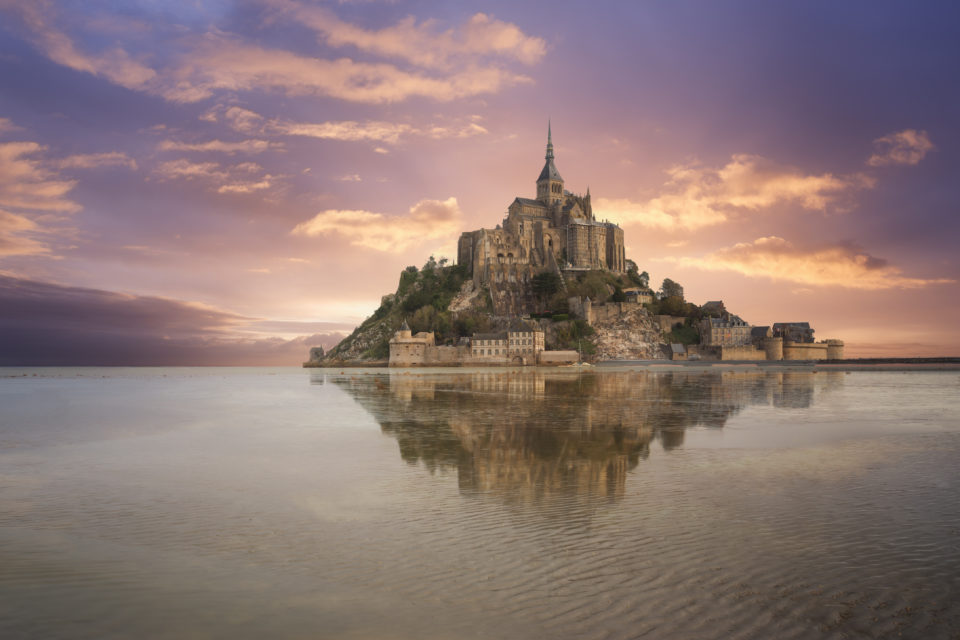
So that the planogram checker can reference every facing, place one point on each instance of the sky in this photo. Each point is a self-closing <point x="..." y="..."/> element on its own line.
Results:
<point x="233" y="182"/>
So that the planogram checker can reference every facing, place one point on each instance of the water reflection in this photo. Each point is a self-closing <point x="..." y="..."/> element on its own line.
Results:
<point x="531" y="435"/>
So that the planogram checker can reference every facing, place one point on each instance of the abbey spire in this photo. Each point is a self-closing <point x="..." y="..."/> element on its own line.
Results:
<point x="549" y="184"/>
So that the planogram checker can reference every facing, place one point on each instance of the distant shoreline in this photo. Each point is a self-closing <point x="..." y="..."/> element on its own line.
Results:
<point x="849" y="364"/>
<point x="867" y="364"/>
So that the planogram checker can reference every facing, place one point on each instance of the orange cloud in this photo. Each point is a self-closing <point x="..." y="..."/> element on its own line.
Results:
<point x="426" y="220"/>
<point x="235" y="179"/>
<point x="835" y="265"/>
<point x="250" y="122"/>
<point x="244" y="146"/>
<point x="224" y="63"/>
<point x="698" y="196"/>
<point x="26" y="184"/>
<point x="904" y="147"/>
<point x="6" y="124"/>
<point x="115" y="65"/>
<point x="422" y="44"/>
<point x="15" y="237"/>
<point x="94" y="160"/>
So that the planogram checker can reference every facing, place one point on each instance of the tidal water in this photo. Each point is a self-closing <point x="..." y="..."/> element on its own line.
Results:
<point x="288" y="503"/>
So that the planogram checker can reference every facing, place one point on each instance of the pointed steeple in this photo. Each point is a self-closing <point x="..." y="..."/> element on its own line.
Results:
<point x="549" y="184"/>
<point x="549" y="141"/>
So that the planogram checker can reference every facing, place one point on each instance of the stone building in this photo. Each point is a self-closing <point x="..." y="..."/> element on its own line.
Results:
<point x="507" y="347"/>
<point x="793" y="331"/>
<point x="408" y="349"/>
<point x="728" y="330"/>
<point x="554" y="232"/>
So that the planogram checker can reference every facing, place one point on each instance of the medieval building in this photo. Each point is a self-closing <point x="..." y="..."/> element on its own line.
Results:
<point x="554" y="232"/>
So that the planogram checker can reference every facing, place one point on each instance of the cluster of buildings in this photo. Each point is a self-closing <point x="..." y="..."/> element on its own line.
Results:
<point x="556" y="232"/>
<point x="729" y="337"/>
<point x="519" y="346"/>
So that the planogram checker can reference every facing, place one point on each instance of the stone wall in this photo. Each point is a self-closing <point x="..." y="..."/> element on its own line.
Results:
<point x="558" y="357"/>
<point x="804" y="350"/>
<point x="668" y="322"/>
<point x="741" y="353"/>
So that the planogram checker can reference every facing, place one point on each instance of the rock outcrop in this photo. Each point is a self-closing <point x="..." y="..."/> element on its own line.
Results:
<point x="632" y="335"/>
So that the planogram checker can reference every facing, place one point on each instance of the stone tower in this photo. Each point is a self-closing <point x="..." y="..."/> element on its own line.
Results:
<point x="549" y="184"/>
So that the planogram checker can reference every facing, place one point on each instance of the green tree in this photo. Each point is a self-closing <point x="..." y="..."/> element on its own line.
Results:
<point x="544" y="285"/>
<point x="671" y="289"/>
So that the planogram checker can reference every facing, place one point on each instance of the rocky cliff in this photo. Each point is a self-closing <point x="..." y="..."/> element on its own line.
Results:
<point x="442" y="299"/>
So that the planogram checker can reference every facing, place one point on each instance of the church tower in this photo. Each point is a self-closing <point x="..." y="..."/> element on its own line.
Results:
<point x="549" y="184"/>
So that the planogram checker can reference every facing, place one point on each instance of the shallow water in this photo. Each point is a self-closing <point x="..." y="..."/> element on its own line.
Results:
<point x="180" y="503"/>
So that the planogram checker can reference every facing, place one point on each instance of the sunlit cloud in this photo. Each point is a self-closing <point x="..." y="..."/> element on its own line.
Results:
<point x="6" y="124"/>
<point x="15" y="236"/>
<point x="422" y="44"/>
<point x="114" y="65"/>
<point x="350" y="131"/>
<point x="904" y="147"/>
<point x="247" y="187"/>
<point x="832" y="265"/>
<point x="222" y="63"/>
<point x="184" y="168"/>
<point x="95" y="160"/>
<point x="250" y="122"/>
<point x="353" y="177"/>
<point x="25" y="183"/>
<point x="234" y="179"/>
<point x="697" y="196"/>
<point x="426" y="220"/>
<point x="242" y="146"/>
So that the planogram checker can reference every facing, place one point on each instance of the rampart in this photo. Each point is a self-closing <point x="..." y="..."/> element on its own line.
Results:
<point x="804" y="350"/>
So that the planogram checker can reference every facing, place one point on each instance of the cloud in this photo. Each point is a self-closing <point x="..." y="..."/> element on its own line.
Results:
<point x="247" y="187"/>
<point x="422" y="44"/>
<point x="183" y="168"/>
<point x="243" y="146"/>
<point x="235" y="179"/>
<point x="904" y="147"/>
<point x="697" y="196"/>
<point x="457" y="63"/>
<point x="426" y="220"/>
<point x="6" y="124"/>
<point x="15" y="237"/>
<point x="344" y="130"/>
<point x="832" y="265"/>
<point x="42" y="323"/>
<point x="243" y="120"/>
<point x="25" y="183"/>
<point x="223" y="63"/>
<point x="115" y="64"/>
<point x="353" y="177"/>
<point x="94" y="160"/>
<point x="250" y="122"/>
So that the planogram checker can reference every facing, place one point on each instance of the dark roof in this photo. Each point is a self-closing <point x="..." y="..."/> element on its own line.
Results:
<point x="804" y="325"/>
<point x="549" y="172"/>
<point x="404" y="326"/>
<point x="759" y="331"/>
<point x="530" y="203"/>
<point x="500" y="335"/>
<point x="676" y="347"/>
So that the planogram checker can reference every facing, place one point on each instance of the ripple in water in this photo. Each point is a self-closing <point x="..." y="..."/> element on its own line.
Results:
<point x="616" y="504"/>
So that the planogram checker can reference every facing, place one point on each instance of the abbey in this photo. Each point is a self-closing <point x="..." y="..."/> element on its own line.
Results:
<point x="556" y="232"/>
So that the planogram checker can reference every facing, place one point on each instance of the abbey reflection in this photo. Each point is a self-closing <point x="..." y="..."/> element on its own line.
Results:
<point x="531" y="436"/>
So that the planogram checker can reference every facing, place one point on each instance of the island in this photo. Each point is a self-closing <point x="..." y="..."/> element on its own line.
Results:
<point x="551" y="285"/>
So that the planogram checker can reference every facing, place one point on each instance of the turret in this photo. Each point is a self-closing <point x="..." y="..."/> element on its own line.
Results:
<point x="549" y="184"/>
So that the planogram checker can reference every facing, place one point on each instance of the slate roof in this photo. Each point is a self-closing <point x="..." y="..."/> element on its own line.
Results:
<point x="549" y="172"/>
<point x="530" y="202"/>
